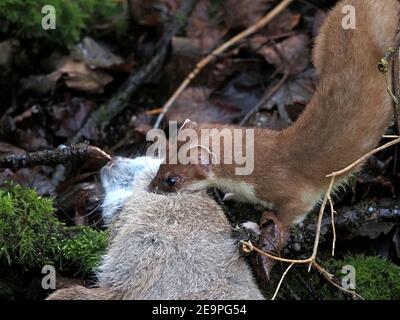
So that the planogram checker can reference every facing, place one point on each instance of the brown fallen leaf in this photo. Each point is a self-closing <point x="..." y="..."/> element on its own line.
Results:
<point x="273" y="238"/>
<point x="95" y="55"/>
<point x="152" y="12"/>
<point x="80" y="77"/>
<point x="195" y="104"/>
<point x="244" y="13"/>
<point x="40" y="84"/>
<point x="298" y="90"/>
<point x="283" y="23"/>
<point x="6" y="148"/>
<point x="290" y="56"/>
<point x="70" y="116"/>
<point x="204" y="28"/>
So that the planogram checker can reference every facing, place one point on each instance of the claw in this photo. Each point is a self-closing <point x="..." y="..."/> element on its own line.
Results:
<point x="252" y="226"/>
<point x="228" y="196"/>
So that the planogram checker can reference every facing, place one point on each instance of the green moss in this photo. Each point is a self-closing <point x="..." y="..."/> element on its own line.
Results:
<point x="28" y="228"/>
<point x="23" y="18"/>
<point x="31" y="235"/>
<point x="376" y="279"/>
<point x="85" y="249"/>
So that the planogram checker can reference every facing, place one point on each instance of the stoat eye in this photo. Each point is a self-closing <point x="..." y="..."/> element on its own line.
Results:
<point x="171" y="181"/>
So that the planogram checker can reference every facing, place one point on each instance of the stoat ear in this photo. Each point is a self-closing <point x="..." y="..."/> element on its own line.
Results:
<point x="188" y="124"/>
<point x="206" y="159"/>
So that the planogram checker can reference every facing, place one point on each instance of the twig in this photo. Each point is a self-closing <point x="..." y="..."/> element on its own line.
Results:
<point x="333" y="225"/>
<point x="363" y="158"/>
<point x="105" y="113"/>
<point x="321" y="213"/>
<point x="209" y="58"/>
<point x="281" y="280"/>
<point x="328" y="277"/>
<point x="249" y="246"/>
<point x="77" y="152"/>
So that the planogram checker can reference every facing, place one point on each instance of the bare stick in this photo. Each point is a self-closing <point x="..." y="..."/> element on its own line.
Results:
<point x="209" y="58"/>
<point x="249" y="246"/>
<point x="321" y="213"/>
<point x="333" y="225"/>
<point x="363" y="158"/>
<point x="77" y="152"/>
<point x="280" y="281"/>
<point x="328" y="277"/>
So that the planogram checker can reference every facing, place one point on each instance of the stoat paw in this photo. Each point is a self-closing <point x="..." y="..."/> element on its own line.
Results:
<point x="251" y="226"/>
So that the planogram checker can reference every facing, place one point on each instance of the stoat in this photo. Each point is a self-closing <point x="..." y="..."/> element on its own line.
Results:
<point x="344" y="120"/>
<point x="163" y="246"/>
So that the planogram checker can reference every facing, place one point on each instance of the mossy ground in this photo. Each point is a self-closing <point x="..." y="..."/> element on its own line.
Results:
<point x="23" y="18"/>
<point x="31" y="236"/>
<point x="375" y="279"/>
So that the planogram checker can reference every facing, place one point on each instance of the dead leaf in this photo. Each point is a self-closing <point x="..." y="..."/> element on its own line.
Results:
<point x="283" y="23"/>
<point x="6" y="148"/>
<point x="152" y="12"/>
<point x="69" y="117"/>
<point x="195" y="103"/>
<point x="290" y="56"/>
<point x="7" y="51"/>
<point x="35" y="178"/>
<point x="41" y="84"/>
<point x="204" y="30"/>
<point x="80" y="77"/>
<point x="296" y="91"/>
<point x="95" y="55"/>
<point x="244" y="13"/>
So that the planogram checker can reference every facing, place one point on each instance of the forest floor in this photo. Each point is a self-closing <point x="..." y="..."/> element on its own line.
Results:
<point x="107" y="87"/>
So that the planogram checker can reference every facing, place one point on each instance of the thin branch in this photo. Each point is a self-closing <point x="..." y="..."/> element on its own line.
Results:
<point x="281" y="280"/>
<point x="249" y="247"/>
<point x="212" y="56"/>
<point x="333" y="212"/>
<point x="321" y="213"/>
<point x="363" y="158"/>
<point x="62" y="155"/>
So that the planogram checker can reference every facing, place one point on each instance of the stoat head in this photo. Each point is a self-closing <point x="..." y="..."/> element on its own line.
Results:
<point x="193" y="176"/>
<point x="120" y="177"/>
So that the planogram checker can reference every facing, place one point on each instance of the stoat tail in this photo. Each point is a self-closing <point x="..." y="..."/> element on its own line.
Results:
<point x="351" y="108"/>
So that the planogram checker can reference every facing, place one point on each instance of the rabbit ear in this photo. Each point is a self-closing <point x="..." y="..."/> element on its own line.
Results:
<point x="188" y="124"/>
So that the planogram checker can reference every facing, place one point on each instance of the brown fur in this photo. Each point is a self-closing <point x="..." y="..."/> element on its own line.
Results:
<point x="344" y="120"/>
